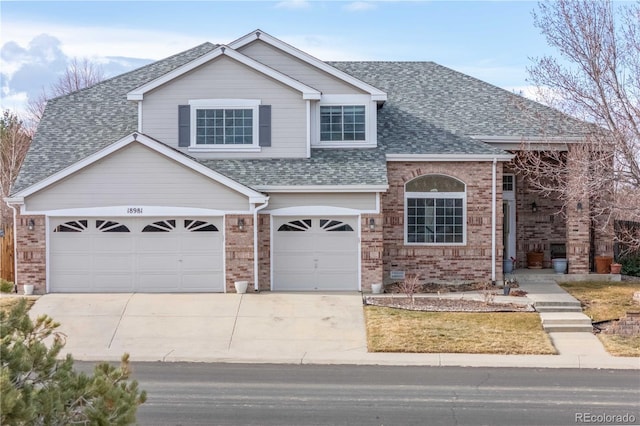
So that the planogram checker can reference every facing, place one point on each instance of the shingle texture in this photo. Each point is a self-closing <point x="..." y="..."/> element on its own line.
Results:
<point x="430" y="110"/>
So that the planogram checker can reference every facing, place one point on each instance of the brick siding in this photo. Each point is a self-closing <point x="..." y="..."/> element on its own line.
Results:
<point x="239" y="251"/>
<point x="447" y="263"/>
<point x="31" y="253"/>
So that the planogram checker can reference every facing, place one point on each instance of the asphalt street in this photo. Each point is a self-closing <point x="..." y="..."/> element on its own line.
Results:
<point x="267" y="394"/>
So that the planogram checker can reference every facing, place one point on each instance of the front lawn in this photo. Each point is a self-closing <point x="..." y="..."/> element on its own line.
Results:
<point x="399" y="330"/>
<point x="8" y="302"/>
<point x="606" y="300"/>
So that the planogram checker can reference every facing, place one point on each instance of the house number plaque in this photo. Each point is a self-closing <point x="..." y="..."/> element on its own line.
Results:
<point x="134" y="210"/>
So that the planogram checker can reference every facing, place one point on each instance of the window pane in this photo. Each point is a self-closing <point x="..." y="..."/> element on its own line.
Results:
<point x="435" y="220"/>
<point x="342" y="123"/>
<point x="224" y="126"/>
<point x="435" y="183"/>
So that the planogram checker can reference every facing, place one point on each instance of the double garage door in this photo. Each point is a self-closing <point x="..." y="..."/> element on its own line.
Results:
<point x="174" y="254"/>
<point x="315" y="253"/>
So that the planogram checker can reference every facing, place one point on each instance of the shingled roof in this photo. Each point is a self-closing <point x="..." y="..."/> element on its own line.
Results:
<point x="430" y="109"/>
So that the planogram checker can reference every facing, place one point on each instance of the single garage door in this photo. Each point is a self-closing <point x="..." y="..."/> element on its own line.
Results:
<point x="315" y="253"/>
<point x="136" y="254"/>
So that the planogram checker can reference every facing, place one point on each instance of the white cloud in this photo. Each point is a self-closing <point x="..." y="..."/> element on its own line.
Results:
<point x="359" y="6"/>
<point x="93" y="42"/>
<point x="293" y="4"/>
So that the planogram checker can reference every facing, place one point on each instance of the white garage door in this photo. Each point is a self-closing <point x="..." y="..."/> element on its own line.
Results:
<point x="315" y="253"/>
<point x="136" y="254"/>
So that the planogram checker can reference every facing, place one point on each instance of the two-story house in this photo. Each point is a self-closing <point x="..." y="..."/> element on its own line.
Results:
<point x="256" y="161"/>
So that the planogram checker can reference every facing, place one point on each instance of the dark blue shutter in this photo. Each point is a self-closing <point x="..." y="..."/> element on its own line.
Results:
<point x="264" y="130"/>
<point x="184" y="125"/>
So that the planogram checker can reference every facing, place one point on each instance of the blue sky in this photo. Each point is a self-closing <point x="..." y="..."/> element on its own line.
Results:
<point x="492" y="41"/>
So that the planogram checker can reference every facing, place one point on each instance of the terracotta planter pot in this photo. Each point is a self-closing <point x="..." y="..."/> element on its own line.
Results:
<point x="603" y="264"/>
<point x="616" y="268"/>
<point x="535" y="259"/>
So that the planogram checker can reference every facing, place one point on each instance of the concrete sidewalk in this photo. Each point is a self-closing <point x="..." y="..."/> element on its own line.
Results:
<point x="307" y="328"/>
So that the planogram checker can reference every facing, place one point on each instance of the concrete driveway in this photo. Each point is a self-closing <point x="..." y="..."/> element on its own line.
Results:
<point x="253" y="327"/>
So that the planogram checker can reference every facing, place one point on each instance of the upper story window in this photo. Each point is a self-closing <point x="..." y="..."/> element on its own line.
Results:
<point x="342" y="123"/>
<point x="224" y="125"/>
<point x="435" y="210"/>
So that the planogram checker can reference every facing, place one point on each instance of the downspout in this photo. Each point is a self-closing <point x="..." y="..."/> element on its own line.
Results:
<point x="256" y="260"/>
<point x="15" y="247"/>
<point x="493" y="219"/>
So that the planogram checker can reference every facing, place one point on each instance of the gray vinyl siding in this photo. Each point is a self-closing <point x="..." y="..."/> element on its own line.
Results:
<point x="136" y="176"/>
<point x="294" y="67"/>
<point x="224" y="78"/>
<point x="355" y="200"/>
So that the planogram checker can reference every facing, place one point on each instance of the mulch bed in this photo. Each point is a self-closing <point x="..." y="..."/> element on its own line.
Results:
<point x="433" y="304"/>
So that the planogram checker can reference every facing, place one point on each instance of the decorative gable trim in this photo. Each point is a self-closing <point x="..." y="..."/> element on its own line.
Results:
<point x="254" y="196"/>
<point x="308" y="92"/>
<point x="376" y="94"/>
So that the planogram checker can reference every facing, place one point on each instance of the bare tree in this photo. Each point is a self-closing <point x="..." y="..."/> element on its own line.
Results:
<point x="14" y="143"/>
<point x="80" y="73"/>
<point x="596" y="78"/>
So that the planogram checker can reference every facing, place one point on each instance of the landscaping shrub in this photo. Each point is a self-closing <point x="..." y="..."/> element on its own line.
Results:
<point x="6" y="286"/>
<point x="631" y="265"/>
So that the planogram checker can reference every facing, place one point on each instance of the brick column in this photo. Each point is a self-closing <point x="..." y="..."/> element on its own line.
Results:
<point x="371" y="250"/>
<point x="264" y="251"/>
<point x="578" y="222"/>
<point x="31" y="252"/>
<point x="239" y="251"/>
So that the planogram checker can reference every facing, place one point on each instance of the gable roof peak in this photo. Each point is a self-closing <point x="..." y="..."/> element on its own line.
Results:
<point x="376" y="94"/>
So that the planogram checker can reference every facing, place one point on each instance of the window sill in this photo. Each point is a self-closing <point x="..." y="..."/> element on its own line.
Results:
<point x="226" y="148"/>
<point x="427" y="245"/>
<point x="346" y="144"/>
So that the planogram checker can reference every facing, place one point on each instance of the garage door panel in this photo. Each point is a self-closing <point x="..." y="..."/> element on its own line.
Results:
<point x="80" y="261"/>
<point x="316" y="253"/>
<point x="108" y="244"/>
<point x="158" y="282"/>
<point x="114" y="262"/>
<point x="76" y="243"/>
<point x="201" y="262"/>
<point x="202" y="281"/>
<point x="136" y="254"/>
<point x="113" y="281"/>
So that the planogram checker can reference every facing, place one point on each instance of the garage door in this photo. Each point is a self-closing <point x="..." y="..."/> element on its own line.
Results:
<point x="136" y="254"/>
<point x="315" y="253"/>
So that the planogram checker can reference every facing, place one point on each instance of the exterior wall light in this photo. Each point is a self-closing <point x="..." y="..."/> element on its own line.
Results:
<point x="372" y="224"/>
<point x="241" y="224"/>
<point x="534" y="207"/>
<point x="579" y="206"/>
<point x="31" y="224"/>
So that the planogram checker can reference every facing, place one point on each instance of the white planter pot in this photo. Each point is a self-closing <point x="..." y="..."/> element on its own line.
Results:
<point x="28" y="289"/>
<point x="241" y="286"/>
<point x="376" y="288"/>
<point x="559" y="265"/>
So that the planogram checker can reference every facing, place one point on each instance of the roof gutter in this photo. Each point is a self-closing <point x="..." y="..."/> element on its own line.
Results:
<point x="450" y="157"/>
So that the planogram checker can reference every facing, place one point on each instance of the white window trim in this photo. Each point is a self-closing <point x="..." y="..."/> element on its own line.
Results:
<point x="197" y="104"/>
<point x="370" y="113"/>
<point x="436" y="195"/>
<point x="509" y="195"/>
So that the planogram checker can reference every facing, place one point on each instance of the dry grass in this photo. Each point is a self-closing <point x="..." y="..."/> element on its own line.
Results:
<point x="604" y="300"/>
<point x="8" y="302"/>
<point x="398" y="330"/>
<point x="621" y="345"/>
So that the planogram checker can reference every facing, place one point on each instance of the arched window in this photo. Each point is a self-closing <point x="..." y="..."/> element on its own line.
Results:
<point x="435" y="210"/>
